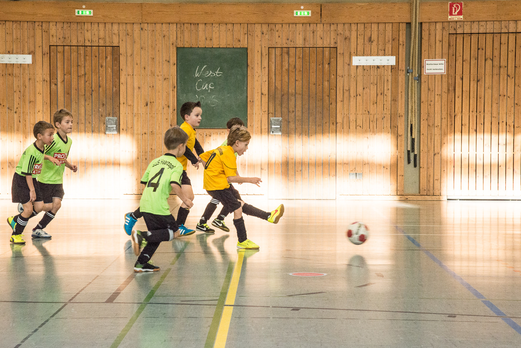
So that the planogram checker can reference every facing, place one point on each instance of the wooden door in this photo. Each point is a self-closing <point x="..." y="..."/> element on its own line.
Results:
<point x="484" y="79"/>
<point x="302" y="91"/>
<point x="85" y="80"/>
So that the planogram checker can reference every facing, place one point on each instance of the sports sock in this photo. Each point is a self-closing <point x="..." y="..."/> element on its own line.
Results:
<point x="253" y="211"/>
<point x="136" y="214"/>
<point x="208" y="211"/>
<point x="21" y="222"/>
<point x="46" y="219"/>
<point x="241" y="229"/>
<point x="182" y="215"/>
<point x="33" y="214"/>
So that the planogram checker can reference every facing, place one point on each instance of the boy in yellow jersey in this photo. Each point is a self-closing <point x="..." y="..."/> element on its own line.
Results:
<point x="220" y="170"/>
<point x="51" y="179"/>
<point x="25" y="188"/>
<point x="210" y="207"/>
<point x="162" y="176"/>
<point x="190" y="112"/>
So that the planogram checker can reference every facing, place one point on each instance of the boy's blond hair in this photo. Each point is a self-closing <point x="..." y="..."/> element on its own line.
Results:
<point x="238" y="133"/>
<point x="60" y="115"/>
<point x="40" y="128"/>
<point x="174" y="137"/>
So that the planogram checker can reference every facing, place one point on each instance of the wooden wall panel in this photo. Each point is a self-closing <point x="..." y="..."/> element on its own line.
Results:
<point x="366" y="123"/>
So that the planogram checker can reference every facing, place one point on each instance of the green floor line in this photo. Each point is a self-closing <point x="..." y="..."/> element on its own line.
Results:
<point x="147" y="299"/>
<point x="214" y="326"/>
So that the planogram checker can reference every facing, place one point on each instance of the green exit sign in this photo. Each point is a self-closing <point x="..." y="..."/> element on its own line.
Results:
<point x="302" y="14"/>
<point x="84" y="13"/>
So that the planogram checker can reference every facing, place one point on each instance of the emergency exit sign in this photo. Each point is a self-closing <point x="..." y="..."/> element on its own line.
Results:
<point x="84" y="13"/>
<point x="302" y="13"/>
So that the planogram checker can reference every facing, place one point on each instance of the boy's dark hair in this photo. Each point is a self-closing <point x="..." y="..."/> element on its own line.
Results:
<point x="188" y="107"/>
<point x="40" y="127"/>
<point x="234" y="122"/>
<point x="238" y="133"/>
<point x="60" y="114"/>
<point x="175" y="136"/>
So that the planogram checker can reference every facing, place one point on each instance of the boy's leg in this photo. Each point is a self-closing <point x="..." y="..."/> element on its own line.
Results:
<point x="182" y="214"/>
<point x="273" y="216"/>
<point x="52" y="199"/>
<point x="131" y="219"/>
<point x="202" y="225"/>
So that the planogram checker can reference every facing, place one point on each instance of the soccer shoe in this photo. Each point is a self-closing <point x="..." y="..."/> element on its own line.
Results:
<point x="39" y="233"/>
<point x="276" y="214"/>
<point x="129" y="223"/>
<point x="204" y="228"/>
<point x="17" y="239"/>
<point x="185" y="231"/>
<point x="220" y="224"/>
<point x="247" y="244"/>
<point x="147" y="267"/>
<point x="11" y="222"/>
<point x="20" y="208"/>
<point x="136" y="239"/>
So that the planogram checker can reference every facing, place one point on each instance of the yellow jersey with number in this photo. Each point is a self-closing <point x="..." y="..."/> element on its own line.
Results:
<point x="221" y="163"/>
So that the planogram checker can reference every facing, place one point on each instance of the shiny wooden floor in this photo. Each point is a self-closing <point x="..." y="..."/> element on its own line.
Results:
<point x="432" y="274"/>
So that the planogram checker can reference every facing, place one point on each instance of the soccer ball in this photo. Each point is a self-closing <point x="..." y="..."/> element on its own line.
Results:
<point x="357" y="232"/>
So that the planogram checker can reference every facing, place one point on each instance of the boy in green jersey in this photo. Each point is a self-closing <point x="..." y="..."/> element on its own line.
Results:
<point x="51" y="178"/>
<point x="25" y="189"/>
<point x="202" y="225"/>
<point x="162" y="176"/>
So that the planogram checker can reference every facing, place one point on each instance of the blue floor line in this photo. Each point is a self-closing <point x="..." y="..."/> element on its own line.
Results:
<point x="463" y="282"/>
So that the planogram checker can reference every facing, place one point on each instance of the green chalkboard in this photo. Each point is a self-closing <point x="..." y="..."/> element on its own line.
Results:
<point x="218" y="78"/>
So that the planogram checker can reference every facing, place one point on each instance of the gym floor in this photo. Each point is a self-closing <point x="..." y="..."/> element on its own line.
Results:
<point x="432" y="274"/>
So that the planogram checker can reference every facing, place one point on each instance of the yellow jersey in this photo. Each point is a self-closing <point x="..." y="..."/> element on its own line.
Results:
<point x="189" y="144"/>
<point x="221" y="163"/>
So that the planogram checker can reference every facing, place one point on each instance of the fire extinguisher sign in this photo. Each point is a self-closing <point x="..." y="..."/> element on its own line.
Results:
<point x="455" y="11"/>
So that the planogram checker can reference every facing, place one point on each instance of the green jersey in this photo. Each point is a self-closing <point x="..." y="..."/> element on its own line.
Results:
<point x="31" y="162"/>
<point x="160" y="174"/>
<point x="59" y="149"/>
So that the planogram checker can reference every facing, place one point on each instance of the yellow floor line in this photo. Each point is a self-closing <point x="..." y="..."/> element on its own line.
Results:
<point x="224" y="325"/>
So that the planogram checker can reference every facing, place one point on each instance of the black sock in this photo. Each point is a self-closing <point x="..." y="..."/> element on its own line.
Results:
<point x="136" y="214"/>
<point x="46" y="219"/>
<point x="208" y="211"/>
<point x="182" y="214"/>
<point x="33" y="214"/>
<point x="253" y="211"/>
<point x="21" y="222"/>
<point x="241" y="229"/>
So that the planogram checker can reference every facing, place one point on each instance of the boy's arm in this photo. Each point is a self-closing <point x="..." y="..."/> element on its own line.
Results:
<point x="179" y="192"/>
<point x="72" y="167"/>
<point x="52" y="159"/>
<point x="191" y="157"/>
<point x="240" y="179"/>
<point x="198" y="148"/>
<point x="32" y="192"/>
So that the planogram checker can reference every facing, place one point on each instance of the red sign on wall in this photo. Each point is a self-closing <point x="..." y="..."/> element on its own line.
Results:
<point x="455" y="11"/>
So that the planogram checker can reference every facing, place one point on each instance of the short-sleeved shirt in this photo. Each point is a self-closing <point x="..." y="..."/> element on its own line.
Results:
<point x="225" y="143"/>
<point x="160" y="174"/>
<point x="221" y="163"/>
<point x="189" y="144"/>
<point x="59" y="149"/>
<point x="31" y="161"/>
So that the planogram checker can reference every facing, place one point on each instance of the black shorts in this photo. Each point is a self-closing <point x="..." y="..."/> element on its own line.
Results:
<point x="20" y="192"/>
<point x="159" y="222"/>
<point x="229" y="198"/>
<point x="49" y="191"/>
<point x="185" y="180"/>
